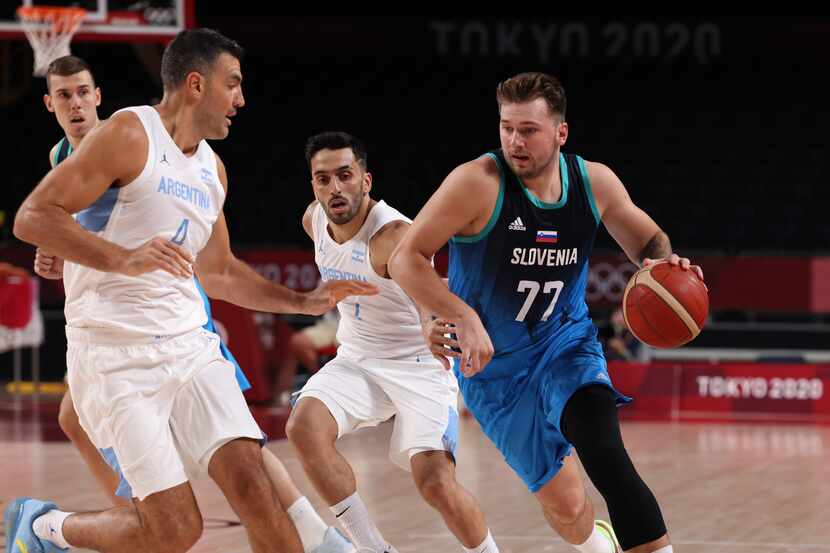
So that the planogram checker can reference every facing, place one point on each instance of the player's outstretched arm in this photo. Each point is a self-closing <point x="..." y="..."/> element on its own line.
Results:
<point x="461" y="205"/>
<point x="633" y="229"/>
<point x="460" y="201"/>
<point x="106" y="157"/>
<point x="228" y="278"/>
<point x="434" y="330"/>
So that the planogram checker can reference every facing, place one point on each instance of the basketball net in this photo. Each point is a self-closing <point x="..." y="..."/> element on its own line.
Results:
<point x="50" y="30"/>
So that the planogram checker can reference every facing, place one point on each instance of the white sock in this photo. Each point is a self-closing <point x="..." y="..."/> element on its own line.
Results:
<point x="487" y="546"/>
<point x="596" y="543"/>
<point x="352" y="514"/>
<point x="310" y="526"/>
<point x="49" y="527"/>
<point x="667" y="549"/>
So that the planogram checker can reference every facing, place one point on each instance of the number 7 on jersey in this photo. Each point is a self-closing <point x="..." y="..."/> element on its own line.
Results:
<point x="533" y="287"/>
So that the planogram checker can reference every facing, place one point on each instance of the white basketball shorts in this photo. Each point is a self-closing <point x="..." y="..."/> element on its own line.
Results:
<point x="420" y="394"/>
<point x="164" y="405"/>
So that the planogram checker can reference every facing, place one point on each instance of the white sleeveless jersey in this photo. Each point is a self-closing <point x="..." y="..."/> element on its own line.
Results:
<point x="384" y="326"/>
<point x="176" y="197"/>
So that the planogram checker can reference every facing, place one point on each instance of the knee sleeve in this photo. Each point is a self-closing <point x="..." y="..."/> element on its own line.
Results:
<point x="590" y="423"/>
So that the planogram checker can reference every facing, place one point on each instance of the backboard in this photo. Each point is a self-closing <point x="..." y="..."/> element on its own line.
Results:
<point x="112" y="20"/>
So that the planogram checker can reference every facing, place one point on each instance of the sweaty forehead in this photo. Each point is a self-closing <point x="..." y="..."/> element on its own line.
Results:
<point x="326" y="161"/>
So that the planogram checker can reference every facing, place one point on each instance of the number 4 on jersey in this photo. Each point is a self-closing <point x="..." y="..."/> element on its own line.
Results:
<point x="181" y="232"/>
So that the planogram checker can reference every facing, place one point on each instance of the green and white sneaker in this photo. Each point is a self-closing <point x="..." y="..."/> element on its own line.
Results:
<point x="606" y="530"/>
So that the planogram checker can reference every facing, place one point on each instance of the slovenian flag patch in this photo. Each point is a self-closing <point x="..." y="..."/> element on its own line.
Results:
<point x="547" y="236"/>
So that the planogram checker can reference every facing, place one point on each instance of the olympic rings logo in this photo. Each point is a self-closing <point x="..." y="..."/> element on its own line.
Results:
<point x="607" y="281"/>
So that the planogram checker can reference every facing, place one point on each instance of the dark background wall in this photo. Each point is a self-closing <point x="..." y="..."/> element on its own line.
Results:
<point x="717" y="126"/>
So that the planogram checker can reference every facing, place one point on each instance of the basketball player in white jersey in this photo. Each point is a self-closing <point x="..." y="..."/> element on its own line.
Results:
<point x="383" y="366"/>
<point x="147" y="379"/>
<point x="74" y="97"/>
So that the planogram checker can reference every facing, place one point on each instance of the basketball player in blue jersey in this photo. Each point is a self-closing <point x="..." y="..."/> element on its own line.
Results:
<point x="147" y="379"/>
<point x="521" y="222"/>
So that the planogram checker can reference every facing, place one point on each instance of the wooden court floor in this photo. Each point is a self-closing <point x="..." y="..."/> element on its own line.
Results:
<point x="723" y="488"/>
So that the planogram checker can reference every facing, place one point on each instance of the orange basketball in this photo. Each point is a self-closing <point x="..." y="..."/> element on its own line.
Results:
<point x="665" y="306"/>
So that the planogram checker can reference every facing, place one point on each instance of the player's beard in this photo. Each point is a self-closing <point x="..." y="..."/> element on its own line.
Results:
<point x="534" y="170"/>
<point x="345" y="217"/>
<point x="210" y="124"/>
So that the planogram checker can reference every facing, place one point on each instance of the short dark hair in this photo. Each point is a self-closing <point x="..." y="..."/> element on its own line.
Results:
<point x="526" y="87"/>
<point x="336" y="140"/>
<point x="65" y="66"/>
<point x="195" y="50"/>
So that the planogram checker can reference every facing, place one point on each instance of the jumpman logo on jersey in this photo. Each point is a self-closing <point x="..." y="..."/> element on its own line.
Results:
<point x="164" y="158"/>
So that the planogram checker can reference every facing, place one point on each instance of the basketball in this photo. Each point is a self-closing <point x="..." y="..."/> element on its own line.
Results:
<point x="665" y="306"/>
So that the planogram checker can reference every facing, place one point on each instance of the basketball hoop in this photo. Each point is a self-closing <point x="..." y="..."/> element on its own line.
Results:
<point x="49" y="30"/>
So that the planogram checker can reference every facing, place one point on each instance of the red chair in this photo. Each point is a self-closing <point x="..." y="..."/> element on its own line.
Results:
<point x="18" y="329"/>
<point x="16" y="299"/>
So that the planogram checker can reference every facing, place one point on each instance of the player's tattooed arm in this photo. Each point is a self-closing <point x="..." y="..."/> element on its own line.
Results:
<point x="659" y="247"/>
<point x="632" y="228"/>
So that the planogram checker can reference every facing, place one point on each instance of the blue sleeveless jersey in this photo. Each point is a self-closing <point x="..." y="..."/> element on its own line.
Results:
<point x="525" y="273"/>
<point x="63" y="151"/>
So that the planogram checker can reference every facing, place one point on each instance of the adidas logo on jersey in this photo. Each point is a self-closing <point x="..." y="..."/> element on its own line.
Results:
<point x="517" y="225"/>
